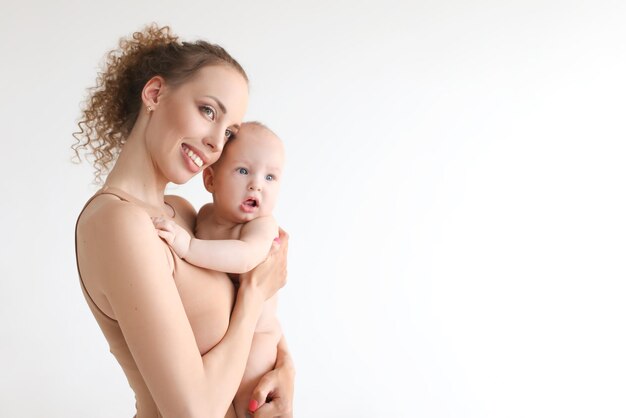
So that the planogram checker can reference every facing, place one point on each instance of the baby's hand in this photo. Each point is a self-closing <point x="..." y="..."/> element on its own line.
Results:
<point x="176" y="236"/>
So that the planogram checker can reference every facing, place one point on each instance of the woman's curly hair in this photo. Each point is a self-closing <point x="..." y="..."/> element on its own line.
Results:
<point x="113" y="104"/>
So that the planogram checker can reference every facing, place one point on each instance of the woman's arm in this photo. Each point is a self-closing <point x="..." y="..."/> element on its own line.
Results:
<point x="124" y="259"/>
<point x="230" y="256"/>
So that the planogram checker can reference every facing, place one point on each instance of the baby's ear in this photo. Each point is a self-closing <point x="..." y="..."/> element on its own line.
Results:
<point x="207" y="177"/>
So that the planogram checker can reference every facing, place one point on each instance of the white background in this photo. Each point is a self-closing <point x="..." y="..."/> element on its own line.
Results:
<point x="454" y="194"/>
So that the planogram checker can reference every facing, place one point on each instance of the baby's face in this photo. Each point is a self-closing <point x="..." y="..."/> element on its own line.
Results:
<point x="246" y="179"/>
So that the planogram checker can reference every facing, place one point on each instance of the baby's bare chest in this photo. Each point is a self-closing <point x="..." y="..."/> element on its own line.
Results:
<point x="205" y="229"/>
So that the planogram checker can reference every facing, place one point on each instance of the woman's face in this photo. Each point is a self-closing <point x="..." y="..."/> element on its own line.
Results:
<point x="191" y="122"/>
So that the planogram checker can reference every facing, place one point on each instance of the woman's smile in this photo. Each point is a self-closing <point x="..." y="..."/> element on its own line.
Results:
<point x="194" y="155"/>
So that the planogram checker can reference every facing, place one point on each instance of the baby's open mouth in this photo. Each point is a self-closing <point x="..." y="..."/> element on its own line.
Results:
<point x="251" y="202"/>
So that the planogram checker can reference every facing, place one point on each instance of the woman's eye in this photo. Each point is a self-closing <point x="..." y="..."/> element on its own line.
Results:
<point x="209" y="111"/>
<point x="269" y="177"/>
<point x="228" y="134"/>
<point x="242" y="171"/>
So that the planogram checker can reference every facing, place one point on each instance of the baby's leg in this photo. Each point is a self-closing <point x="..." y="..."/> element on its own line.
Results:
<point x="262" y="357"/>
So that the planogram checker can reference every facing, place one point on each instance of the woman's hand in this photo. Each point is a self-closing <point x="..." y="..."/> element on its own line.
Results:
<point x="271" y="274"/>
<point x="273" y="395"/>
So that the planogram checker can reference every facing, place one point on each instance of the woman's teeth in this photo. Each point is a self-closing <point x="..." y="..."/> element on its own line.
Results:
<point x="194" y="157"/>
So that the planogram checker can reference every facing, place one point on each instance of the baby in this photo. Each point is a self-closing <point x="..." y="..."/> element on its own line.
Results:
<point x="235" y="232"/>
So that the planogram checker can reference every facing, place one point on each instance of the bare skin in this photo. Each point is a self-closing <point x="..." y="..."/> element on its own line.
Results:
<point x="238" y="228"/>
<point x="235" y="233"/>
<point x="187" y="375"/>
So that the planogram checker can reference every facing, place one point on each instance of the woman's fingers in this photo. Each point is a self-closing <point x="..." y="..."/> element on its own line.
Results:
<point x="283" y="237"/>
<point x="271" y="274"/>
<point x="261" y="391"/>
<point x="284" y="246"/>
<point x="272" y="396"/>
<point x="276" y="407"/>
<point x="272" y="409"/>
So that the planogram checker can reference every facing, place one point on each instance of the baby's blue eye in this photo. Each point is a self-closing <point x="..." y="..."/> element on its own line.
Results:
<point x="242" y="171"/>
<point x="209" y="111"/>
<point x="269" y="177"/>
<point x="228" y="134"/>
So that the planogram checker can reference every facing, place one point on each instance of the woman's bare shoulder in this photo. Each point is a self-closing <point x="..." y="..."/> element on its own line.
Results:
<point x="117" y="244"/>
<point x="108" y="213"/>
<point x="110" y="228"/>
<point x="184" y="210"/>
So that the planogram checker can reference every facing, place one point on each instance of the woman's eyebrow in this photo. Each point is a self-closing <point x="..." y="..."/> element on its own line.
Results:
<point x="219" y="103"/>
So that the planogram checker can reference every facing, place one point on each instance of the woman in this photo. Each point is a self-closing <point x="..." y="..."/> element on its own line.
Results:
<point x="161" y="112"/>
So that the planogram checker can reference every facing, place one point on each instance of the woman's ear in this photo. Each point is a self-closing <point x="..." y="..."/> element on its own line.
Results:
<point x="208" y="176"/>
<point x="152" y="92"/>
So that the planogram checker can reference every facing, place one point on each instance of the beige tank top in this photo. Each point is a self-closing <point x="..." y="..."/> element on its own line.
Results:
<point x="209" y="320"/>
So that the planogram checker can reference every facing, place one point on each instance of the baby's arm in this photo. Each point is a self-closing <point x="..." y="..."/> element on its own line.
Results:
<point x="231" y="256"/>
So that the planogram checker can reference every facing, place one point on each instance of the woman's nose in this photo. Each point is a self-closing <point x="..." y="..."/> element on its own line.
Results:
<point x="213" y="143"/>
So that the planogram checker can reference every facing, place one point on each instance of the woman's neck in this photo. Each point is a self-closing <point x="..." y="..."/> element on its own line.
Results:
<point x="135" y="173"/>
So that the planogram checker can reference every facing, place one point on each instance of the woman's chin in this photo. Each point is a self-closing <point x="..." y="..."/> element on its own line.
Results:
<point x="182" y="177"/>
